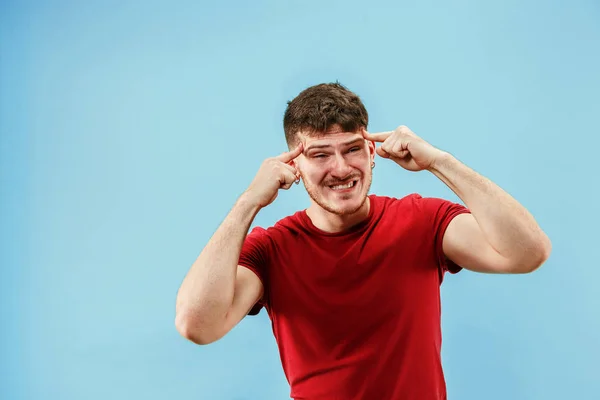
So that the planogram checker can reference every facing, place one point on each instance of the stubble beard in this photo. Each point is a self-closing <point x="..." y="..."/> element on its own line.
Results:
<point x="329" y="207"/>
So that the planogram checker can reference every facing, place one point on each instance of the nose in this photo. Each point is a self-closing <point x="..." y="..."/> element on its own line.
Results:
<point x="341" y="169"/>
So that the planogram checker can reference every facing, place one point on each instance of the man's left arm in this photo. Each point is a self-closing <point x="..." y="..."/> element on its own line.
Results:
<point x="498" y="236"/>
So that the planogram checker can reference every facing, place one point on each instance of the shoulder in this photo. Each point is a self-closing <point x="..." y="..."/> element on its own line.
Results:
<point x="412" y="200"/>
<point x="415" y="205"/>
<point x="290" y="225"/>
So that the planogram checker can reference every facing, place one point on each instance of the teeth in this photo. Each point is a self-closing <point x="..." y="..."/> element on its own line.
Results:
<point x="346" y="186"/>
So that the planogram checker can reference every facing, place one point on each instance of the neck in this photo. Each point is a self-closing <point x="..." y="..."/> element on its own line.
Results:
<point x="333" y="223"/>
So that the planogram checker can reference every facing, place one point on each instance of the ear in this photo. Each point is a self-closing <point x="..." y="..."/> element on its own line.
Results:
<point x="371" y="148"/>
<point x="294" y="163"/>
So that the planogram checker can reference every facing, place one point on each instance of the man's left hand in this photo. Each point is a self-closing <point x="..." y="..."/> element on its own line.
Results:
<point x="405" y="148"/>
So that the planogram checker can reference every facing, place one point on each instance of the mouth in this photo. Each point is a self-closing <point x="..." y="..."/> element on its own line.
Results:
<point x="344" y="187"/>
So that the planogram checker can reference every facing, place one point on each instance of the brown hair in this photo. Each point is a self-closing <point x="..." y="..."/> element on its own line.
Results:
<point x="319" y="107"/>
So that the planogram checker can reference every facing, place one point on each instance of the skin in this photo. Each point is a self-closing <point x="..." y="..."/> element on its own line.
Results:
<point x="336" y="158"/>
<point x="499" y="236"/>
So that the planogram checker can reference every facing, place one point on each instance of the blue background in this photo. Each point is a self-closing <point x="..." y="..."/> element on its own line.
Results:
<point x="128" y="129"/>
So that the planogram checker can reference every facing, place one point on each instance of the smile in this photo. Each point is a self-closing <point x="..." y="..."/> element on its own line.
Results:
<point x="348" y="185"/>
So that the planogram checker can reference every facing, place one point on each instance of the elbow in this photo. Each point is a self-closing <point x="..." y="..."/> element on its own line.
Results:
<point x="192" y="329"/>
<point x="543" y="252"/>
<point x="546" y="249"/>
<point x="538" y="256"/>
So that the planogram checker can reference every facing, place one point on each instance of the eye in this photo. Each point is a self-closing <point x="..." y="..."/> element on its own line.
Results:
<point x="354" y="149"/>
<point x="320" y="155"/>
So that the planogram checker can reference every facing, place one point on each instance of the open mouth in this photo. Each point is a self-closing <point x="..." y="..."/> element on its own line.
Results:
<point x="345" y="186"/>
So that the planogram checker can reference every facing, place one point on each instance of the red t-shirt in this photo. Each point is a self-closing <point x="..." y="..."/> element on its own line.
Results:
<point x="356" y="315"/>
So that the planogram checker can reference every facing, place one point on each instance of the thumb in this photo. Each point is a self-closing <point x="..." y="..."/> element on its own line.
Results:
<point x="382" y="153"/>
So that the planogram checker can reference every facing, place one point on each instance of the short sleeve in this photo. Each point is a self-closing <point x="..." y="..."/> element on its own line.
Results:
<point x="255" y="257"/>
<point x="440" y="212"/>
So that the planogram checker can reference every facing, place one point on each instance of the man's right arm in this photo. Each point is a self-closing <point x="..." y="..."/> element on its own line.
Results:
<point x="216" y="292"/>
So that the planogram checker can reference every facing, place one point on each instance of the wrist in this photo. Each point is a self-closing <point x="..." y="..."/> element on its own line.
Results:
<point x="440" y="161"/>
<point x="248" y="204"/>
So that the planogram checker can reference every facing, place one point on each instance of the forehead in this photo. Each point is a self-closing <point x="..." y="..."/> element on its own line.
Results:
<point x="332" y="138"/>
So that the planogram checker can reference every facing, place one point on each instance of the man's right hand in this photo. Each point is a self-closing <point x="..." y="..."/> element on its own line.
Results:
<point x="275" y="173"/>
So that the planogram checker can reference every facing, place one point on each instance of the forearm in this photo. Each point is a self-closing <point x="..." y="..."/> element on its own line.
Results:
<point x="207" y="291"/>
<point x="507" y="226"/>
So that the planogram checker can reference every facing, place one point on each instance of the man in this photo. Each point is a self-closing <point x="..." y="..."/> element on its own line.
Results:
<point x="351" y="284"/>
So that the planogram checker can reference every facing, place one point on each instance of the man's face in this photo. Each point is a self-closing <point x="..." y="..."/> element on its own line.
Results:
<point x="336" y="169"/>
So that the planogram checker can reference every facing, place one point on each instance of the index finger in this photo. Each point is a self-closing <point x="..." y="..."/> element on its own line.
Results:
<point x="290" y="155"/>
<point x="377" y="137"/>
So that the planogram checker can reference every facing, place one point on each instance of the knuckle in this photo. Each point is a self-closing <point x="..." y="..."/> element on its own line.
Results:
<point x="402" y="130"/>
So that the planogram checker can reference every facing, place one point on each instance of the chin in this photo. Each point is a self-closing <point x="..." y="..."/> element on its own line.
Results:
<point x="347" y="209"/>
<point x="341" y="200"/>
<point x="341" y="204"/>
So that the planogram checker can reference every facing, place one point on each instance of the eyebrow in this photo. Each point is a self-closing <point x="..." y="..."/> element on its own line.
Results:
<point x="322" y="146"/>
